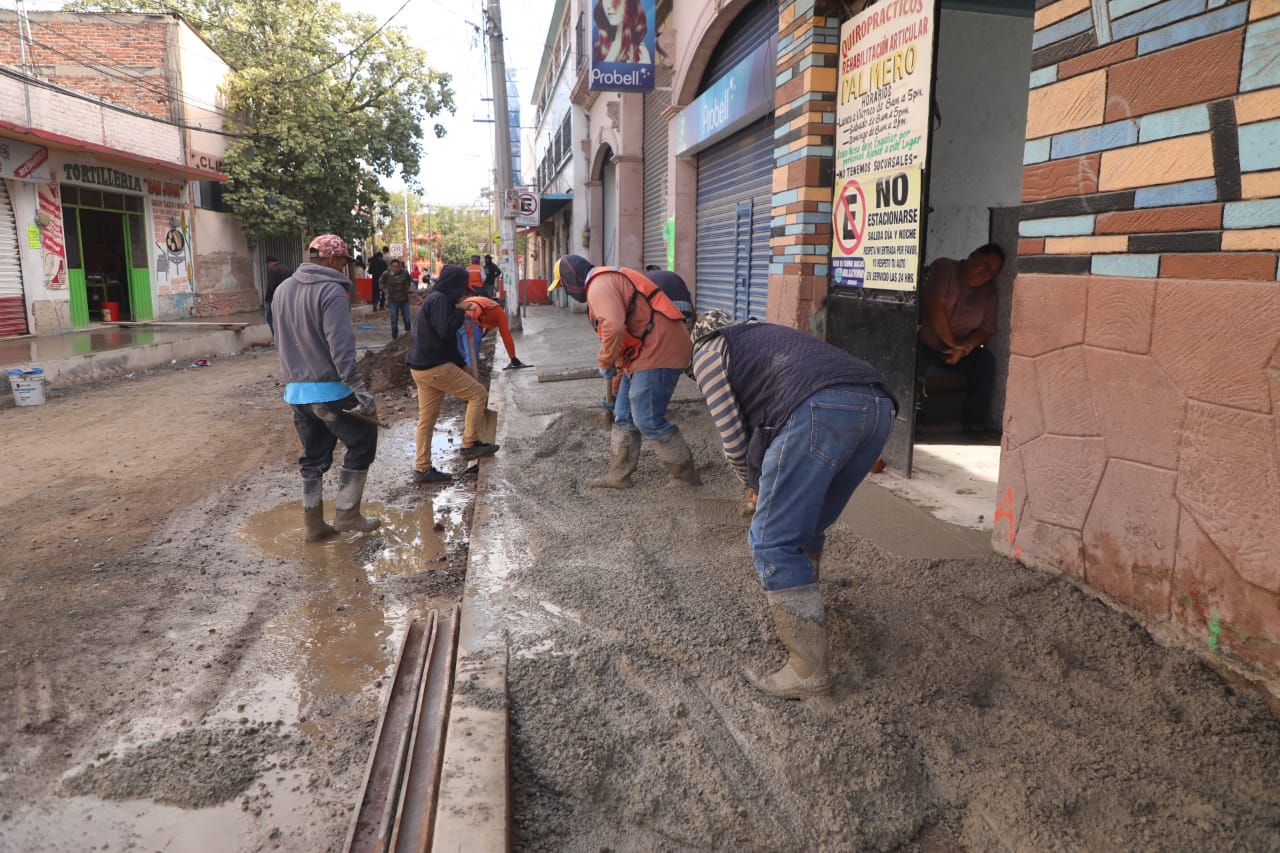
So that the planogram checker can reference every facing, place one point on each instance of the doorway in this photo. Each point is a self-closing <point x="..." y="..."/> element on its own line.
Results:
<point x="106" y="246"/>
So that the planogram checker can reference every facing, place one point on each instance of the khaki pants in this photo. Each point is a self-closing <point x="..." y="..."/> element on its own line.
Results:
<point x="432" y="385"/>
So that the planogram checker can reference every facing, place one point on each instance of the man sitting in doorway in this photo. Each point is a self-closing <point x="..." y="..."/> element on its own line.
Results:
<point x="958" y="299"/>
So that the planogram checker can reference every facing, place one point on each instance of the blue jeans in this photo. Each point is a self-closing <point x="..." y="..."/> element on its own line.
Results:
<point x="470" y="327"/>
<point x="642" y="402"/>
<point x="810" y="471"/>
<point x="399" y="309"/>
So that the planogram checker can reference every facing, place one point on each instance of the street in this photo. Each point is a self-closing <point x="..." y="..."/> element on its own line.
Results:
<point x="179" y="672"/>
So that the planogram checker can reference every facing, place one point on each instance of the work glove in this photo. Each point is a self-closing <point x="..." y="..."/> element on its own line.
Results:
<point x="368" y="406"/>
<point x="608" y="372"/>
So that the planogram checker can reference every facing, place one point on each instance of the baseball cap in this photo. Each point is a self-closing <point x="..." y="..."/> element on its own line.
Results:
<point x="328" y="246"/>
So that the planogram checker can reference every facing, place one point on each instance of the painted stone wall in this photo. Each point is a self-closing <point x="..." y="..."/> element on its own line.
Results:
<point x="1142" y="444"/>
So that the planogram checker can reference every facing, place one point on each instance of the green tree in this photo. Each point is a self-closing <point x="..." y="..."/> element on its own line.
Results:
<point x="463" y="231"/>
<point x="329" y="103"/>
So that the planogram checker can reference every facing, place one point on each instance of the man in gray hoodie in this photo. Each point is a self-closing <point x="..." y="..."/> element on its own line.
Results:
<point x="318" y="361"/>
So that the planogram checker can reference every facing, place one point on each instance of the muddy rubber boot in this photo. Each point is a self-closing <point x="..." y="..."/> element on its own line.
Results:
<point x="350" y="493"/>
<point x="800" y="620"/>
<point x="624" y="456"/>
<point x="675" y="454"/>
<point x="313" y="511"/>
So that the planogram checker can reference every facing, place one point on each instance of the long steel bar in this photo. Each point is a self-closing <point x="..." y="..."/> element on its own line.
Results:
<point x="417" y="810"/>
<point x="372" y="825"/>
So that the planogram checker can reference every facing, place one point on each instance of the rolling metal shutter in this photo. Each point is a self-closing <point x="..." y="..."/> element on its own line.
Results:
<point x="735" y="197"/>
<point x="655" y="168"/>
<point x="13" y="307"/>
<point x="735" y="187"/>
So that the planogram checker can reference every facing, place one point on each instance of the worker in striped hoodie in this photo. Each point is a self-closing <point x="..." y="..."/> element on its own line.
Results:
<point x="802" y="422"/>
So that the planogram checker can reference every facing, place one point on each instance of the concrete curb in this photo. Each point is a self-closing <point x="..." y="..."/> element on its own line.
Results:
<point x="473" y="811"/>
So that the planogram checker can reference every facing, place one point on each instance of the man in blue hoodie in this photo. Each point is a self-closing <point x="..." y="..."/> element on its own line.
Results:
<point x="318" y="362"/>
<point x="436" y="366"/>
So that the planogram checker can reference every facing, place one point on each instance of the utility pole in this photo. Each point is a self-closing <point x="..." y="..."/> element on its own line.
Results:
<point x="507" y="256"/>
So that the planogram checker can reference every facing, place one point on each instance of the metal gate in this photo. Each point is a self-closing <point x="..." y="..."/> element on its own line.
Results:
<point x="655" y="168"/>
<point x="735" y="197"/>
<point x="13" y="307"/>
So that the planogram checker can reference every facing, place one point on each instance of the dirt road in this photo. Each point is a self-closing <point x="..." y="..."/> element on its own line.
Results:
<point x="177" y="671"/>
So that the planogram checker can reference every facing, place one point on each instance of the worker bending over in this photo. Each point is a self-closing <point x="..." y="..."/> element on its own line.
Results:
<point x="643" y="337"/>
<point x="486" y="315"/>
<point x="801" y="422"/>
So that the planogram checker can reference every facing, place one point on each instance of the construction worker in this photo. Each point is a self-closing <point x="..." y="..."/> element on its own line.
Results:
<point x="435" y="365"/>
<point x="643" y="337"/>
<point x="802" y="422"/>
<point x="318" y="364"/>
<point x="475" y="278"/>
<point x="485" y="315"/>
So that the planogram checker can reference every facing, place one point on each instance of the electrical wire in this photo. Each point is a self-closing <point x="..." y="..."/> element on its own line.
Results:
<point x="167" y="92"/>
<point x="6" y="71"/>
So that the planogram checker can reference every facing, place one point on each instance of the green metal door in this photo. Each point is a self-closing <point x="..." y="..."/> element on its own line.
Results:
<point x="75" y="267"/>
<point x="139" y="274"/>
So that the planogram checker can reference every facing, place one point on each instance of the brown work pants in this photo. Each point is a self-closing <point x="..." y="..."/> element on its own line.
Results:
<point x="432" y="385"/>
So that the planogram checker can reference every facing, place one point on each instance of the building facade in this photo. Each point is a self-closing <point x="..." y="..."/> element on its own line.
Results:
<point x="112" y="202"/>
<point x="1139" y="342"/>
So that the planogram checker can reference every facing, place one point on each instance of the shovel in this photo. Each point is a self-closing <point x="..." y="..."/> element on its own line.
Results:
<point x="328" y="415"/>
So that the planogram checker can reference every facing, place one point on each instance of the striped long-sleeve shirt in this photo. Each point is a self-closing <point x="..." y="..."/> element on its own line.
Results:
<point x="711" y="371"/>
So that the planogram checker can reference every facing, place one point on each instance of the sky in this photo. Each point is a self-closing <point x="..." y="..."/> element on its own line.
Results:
<point x="459" y="167"/>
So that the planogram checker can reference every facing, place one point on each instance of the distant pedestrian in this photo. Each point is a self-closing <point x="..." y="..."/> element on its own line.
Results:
<point x="475" y="277"/>
<point x="436" y="367"/>
<point x="276" y="274"/>
<point x="802" y="422"/>
<point x="487" y="314"/>
<point x="492" y="274"/>
<point x="395" y="285"/>
<point x="318" y="364"/>
<point x="377" y="266"/>
<point x="642" y="336"/>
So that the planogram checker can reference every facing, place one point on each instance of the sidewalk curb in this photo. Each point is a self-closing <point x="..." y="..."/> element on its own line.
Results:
<point x="473" y="809"/>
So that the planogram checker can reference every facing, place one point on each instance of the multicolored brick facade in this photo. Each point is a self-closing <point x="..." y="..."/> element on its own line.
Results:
<point x="1142" y="444"/>
<point x="805" y="133"/>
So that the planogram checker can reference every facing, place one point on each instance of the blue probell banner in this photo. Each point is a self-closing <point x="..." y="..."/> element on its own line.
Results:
<point x="622" y="45"/>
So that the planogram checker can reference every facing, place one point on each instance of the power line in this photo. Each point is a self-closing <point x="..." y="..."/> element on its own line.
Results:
<point x="6" y="71"/>
<point x="349" y="53"/>
<point x="168" y="92"/>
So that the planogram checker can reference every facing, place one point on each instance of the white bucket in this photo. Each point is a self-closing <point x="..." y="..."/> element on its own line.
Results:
<point x="28" y="386"/>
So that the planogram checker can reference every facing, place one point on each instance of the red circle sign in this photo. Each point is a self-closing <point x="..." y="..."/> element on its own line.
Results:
<point x="849" y="218"/>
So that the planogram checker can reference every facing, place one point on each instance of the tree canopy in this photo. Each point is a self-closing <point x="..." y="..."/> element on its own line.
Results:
<point x="328" y="101"/>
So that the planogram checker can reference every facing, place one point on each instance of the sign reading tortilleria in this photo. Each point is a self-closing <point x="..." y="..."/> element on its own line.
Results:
<point x="882" y="137"/>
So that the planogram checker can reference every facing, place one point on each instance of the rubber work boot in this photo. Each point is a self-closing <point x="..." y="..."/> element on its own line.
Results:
<point x="350" y="493"/>
<point x="313" y="511"/>
<point x="624" y="456"/>
<point x="675" y="454"/>
<point x="800" y="620"/>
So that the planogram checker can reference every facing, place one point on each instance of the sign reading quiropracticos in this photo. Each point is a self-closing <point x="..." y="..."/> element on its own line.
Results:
<point x="622" y="44"/>
<point x="882" y="139"/>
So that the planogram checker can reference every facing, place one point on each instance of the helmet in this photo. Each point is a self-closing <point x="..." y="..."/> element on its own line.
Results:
<point x="571" y="274"/>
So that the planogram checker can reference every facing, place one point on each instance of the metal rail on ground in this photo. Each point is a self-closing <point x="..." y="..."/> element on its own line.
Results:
<point x="397" y="808"/>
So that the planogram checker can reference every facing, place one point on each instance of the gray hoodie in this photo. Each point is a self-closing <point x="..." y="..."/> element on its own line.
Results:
<point x="313" y="328"/>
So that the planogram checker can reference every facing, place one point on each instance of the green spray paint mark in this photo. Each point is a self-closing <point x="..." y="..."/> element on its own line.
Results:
<point x="669" y="237"/>
<point x="1213" y="631"/>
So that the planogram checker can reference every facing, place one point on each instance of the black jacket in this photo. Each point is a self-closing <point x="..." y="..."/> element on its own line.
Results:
<point x="435" y="329"/>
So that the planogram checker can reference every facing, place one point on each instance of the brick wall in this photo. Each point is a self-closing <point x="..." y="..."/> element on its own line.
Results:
<point x="1142" y="444"/>
<point x="804" y="136"/>
<point x="119" y="58"/>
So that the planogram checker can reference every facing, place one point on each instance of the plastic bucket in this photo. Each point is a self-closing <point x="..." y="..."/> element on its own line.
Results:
<point x="28" y="386"/>
<point x="111" y="312"/>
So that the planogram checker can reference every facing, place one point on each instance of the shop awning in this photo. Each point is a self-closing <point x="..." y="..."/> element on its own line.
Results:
<point x="65" y="143"/>
<point x="552" y="202"/>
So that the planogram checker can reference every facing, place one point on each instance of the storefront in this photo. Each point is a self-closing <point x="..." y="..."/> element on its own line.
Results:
<point x="729" y="129"/>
